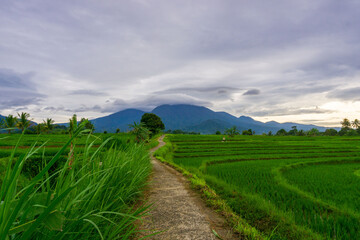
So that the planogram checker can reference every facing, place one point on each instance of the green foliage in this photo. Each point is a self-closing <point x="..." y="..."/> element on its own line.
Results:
<point x="48" y="125"/>
<point x="23" y="121"/>
<point x="152" y="122"/>
<point x="140" y="131"/>
<point x="87" y="124"/>
<point x="330" y="132"/>
<point x="281" y="132"/>
<point x="313" y="132"/>
<point x="10" y="122"/>
<point x="217" y="133"/>
<point x="345" y="123"/>
<point x="247" y="132"/>
<point x="92" y="200"/>
<point x="231" y="132"/>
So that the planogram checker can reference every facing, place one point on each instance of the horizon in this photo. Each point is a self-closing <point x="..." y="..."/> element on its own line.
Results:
<point x="149" y="111"/>
<point x="272" y="61"/>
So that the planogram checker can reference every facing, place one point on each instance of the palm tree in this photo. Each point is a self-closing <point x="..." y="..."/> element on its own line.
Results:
<point x="356" y="123"/>
<point x="10" y="122"/>
<point x="48" y="124"/>
<point x="23" y="121"/>
<point x="140" y="131"/>
<point x="346" y="123"/>
<point x="39" y="127"/>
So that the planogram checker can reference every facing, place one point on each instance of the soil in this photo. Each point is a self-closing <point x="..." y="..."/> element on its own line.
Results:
<point x="178" y="212"/>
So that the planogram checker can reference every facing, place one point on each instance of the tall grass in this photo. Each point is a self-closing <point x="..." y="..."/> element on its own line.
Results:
<point x="91" y="200"/>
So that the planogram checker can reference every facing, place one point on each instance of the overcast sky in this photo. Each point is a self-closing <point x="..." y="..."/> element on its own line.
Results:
<point x="272" y="60"/>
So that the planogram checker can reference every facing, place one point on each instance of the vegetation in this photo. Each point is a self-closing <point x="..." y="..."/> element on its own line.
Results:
<point x="287" y="187"/>
<point x="232" y="131"/>
<point x="10" y="122"/>
<point x="140" y="131"/>
<point x="92" y="200"/>
<point x="152" y="122"/>
<point x="23" y="121"/>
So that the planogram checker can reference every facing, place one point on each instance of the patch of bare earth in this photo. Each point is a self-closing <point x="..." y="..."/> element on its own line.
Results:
<point x="178" y="212"/>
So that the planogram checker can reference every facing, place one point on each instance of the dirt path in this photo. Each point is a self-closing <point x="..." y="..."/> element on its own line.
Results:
<point x="178" y="211"/>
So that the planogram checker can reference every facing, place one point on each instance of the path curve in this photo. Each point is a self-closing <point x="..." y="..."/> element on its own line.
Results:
<point x="178" y="211"/>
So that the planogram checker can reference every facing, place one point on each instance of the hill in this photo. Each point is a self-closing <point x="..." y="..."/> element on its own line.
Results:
<point x="192" y="118"/>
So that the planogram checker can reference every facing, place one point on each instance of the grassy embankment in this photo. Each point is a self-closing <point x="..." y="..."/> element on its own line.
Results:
<point x="284" y="187"/>
<point x="92" y="199"/>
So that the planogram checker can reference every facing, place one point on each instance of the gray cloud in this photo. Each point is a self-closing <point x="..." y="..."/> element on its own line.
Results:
<point x="89" y="92"/>
<point x="352" y="94"/>
<point x="286" y="111"/>
<point x="252" y="92"/>
<point x="299" y="53"/>
<point x="17" y="89"/>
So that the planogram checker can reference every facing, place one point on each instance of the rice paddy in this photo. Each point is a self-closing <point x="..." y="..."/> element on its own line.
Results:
<point x="286" y="187"/>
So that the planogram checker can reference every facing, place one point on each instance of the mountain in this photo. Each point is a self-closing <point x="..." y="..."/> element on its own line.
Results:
<point x="116" y="120"/>
<point x="193" y="119"/>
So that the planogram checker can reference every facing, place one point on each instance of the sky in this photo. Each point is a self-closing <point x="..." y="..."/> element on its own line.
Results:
<point x="276" y="60"/>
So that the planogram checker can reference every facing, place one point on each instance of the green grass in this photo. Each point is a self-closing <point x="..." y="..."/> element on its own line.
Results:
<point x="286" y="187"/>
<point x="93" y="199"/>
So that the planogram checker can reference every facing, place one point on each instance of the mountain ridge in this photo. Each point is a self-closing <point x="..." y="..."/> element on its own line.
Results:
<point x="193" y="118"/>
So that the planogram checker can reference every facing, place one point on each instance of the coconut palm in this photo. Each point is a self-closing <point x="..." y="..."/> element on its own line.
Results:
<point x="10" y="122"/>
<point x="345" y="123"/>
<point x="356" y="124"/>
<point x="140" y="131"/>
<point x="39" y="127"/>
<point x="23" y="121"/>
<point x="48" y="124"/>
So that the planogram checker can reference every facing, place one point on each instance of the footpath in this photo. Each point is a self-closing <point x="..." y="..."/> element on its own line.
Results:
<point x="178" y="212"/>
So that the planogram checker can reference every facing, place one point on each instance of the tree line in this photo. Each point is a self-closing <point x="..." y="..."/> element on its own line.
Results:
<point x="22" y="122"/>
<point x="349" y="128"/>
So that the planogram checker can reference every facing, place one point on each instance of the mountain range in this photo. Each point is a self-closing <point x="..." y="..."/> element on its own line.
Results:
<point x="193" y="118"/>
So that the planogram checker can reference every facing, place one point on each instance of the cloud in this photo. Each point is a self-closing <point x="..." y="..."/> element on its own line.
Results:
<point x="88" y="92"/>
<point x="136" y="54"/>
<point x="348" y="94"/>
<point x="252" y="92"/>
<point x="17" y="89"/>
<point x="287" y="111"/>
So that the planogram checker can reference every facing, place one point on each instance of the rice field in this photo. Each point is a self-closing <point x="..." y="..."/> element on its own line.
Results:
<point x="287" y="187"/>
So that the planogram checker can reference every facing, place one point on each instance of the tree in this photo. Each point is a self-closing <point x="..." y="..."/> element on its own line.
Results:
<point x="39" y="127"/>
<point x="140" y="131"/>
<point x="345" y="123"/>
<point x="270" y="133"/>
<point x="218" y="132"/>
<point x="117" y="130"/>
<point x="281" y="132"/>
<point x="247" y="132"/>
<point x="330" y="132"/>
<point x="48" y="124"/>
<point x="232" y="131"/>
<point x="23" y="121"/>
<point x="10" y="122"/>
<point x="88" y="124"/>
<point x="301" y="133"/>
<point x="293" y="131"/>
<point x="356" y="124"/>
<point x="313" y="132"/>
<point x="152" y="122"/>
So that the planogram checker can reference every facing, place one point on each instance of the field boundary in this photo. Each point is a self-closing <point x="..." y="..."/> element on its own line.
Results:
<point x="240" y="226"/>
